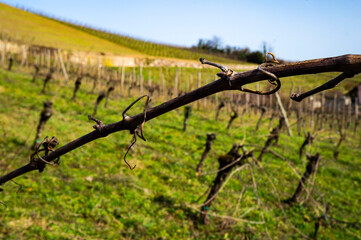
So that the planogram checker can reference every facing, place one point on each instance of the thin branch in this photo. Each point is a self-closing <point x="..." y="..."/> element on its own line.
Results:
<point x="328" y="85"/>
<point x="224" y="184"/>
<point x="345" y="63"/>
<point x="225" y="217"/>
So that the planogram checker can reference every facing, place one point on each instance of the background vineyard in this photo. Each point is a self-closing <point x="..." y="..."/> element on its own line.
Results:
<point x="92" y="194"/>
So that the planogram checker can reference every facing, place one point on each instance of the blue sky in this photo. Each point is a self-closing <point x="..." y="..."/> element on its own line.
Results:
<point x="295" y="30"/>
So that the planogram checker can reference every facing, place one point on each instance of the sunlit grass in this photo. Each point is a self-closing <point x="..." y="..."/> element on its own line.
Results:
<point x="93" y="195"/>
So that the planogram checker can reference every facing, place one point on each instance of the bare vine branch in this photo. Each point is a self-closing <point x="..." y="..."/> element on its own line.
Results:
<point x="345" y="64"/>
<point x="328" y="85"/>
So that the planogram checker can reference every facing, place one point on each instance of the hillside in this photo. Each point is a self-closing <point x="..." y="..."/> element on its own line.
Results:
<point x="34" y="29"/>
<point x="151" y="48"/>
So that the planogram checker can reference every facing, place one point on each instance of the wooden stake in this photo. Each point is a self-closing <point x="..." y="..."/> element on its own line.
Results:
<point x="284" y="114"/>
<point x="62" y="65"/>
<point x="141" y="79"/>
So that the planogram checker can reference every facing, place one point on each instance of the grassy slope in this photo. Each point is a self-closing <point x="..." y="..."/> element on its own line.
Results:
<point x="38" y="30"/>
<point x="154" y="49"/>
<point x="93" y="195"/>
<point x="29" y="27"/>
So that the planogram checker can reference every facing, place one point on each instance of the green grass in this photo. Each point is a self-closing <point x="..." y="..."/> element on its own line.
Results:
<point x="93" y="195"/>
<point x="30" y="28"/>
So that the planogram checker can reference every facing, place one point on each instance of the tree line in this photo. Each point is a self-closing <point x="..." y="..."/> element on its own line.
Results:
<point x="214" y="46"/>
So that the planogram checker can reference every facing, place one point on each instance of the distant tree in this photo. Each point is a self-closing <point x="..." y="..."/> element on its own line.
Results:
<point x="266" y="47"/>
<point x="255" y="57"/>
<point x="213" y="45"/>
<point x="216" y="43"/>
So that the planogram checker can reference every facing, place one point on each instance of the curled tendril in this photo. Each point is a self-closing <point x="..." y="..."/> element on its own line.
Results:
<point x="48" y="146"/>
<point x="274" y="81"/>
<point x="138" y="131"/>
<point x="134" y="140"/>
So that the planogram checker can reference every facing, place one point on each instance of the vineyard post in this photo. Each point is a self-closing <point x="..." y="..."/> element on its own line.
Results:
<point x="23" y="56"/>
<point x="198" y="86"/>
<point x="284" y="114"/>
<point x="247" y="96"/>
<point x="48" y="59"/>
<point x="176" y="80"/>
<point x="349" y="118"/>
<point x="62" y="65"/>
<point x="356" y="114"/>
<point x="3" y="50"/>
<point x="41" y="59"/>
<point x="323" y="110"/>
<point x="149" y="79"/>
<point x="4" y="39"/>
<point x="122" y="80"/>
<point x="68" y="57"/>
<point x="289" y="104"/>
<point x="141" y="79"/>
<point x="311" y="107"/>
<point x="334" y="107"/>
<point x="343" y="112"/>
<point x="257" y="98"/>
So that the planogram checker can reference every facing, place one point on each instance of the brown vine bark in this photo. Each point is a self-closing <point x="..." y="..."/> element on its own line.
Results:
<point x="231" y="119"/>
<point x="233" y="81"/>
<point x="36" y="72"/>
<point x="187" y="113"/>
<point x="263" y="111"/>
<point x="308" y="140"/>
<point x="100" y="97"/>
<point x="209" y="142"/>
<point x="10" y="64"/>
<point x="272" y="138"/>
<point x="44" y="117"/>
<point x="310" y="169"/>
<point x="110" y="89"/>
<point x="48" y="77"/>
<point x="76" y="88"/>
<point x="220" y="106"/>
<point x="226" y="163"/>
